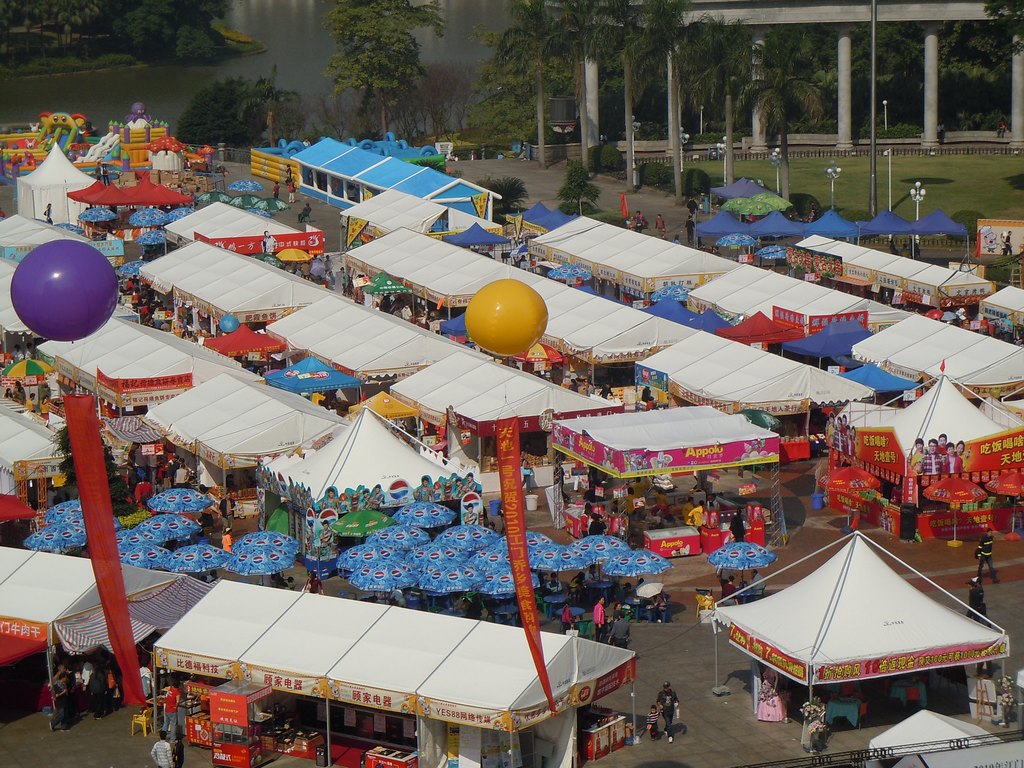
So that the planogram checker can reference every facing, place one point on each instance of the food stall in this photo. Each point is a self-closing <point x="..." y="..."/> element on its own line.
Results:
<point x="236" y="721"/>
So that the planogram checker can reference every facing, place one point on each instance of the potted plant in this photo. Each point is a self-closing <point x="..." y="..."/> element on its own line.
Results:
<point x="1007" y="700"/>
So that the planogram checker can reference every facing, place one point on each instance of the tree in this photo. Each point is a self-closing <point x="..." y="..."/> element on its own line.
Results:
<point x="150" y="28"/>
<point x="377" y="53"/>
<point x="576" y="29"/>
<point x="261" y="101"/>
<point x="512" y="191"/>
<point x="783" y="91"/>
<point x="215" y="114"/>
<point x="119" y="496"/>
<point x="577" y="188"/>
<point x="1010" y="13"/>
<point x="525" y="46"/>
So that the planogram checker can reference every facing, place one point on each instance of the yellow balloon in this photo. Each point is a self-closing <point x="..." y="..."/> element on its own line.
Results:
<point x="506" y="317"/>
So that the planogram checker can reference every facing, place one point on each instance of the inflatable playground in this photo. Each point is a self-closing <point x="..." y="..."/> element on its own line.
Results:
<point x="274" y="163"/>
<point x="139" y="142"/>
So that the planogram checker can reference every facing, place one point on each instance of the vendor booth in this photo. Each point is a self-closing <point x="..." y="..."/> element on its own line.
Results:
<point x="367" y="683"/>
<point x="242" y="232"/>
<point x="19" y="235"/>
<point x="1004" y="309"/>
<point x="392" y="210"/>
<point x="28" y="460"/>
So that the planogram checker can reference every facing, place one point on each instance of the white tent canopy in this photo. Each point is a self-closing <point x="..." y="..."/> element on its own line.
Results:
<point x="222" y="220"/>
<point x="354" y="458"/>
<point x="362" y="341"/>
<point x="710" y="369"/>
<point x="1005" y="304"/>
<point x="926" y="727"/>
<point x="832" y="626"/>
<point x="234" y="423"/>
<point x="20" y="230"/>
<point x="481" y="391"/>
<point x="641" y="263"/>
<point x="49" y="184"/>
<point x="9" y="320"/>
<point x="21" y="439"/>
<point x="229" y="283"/>
<point x="391" y="210"/>
<point x="381" y="648"/>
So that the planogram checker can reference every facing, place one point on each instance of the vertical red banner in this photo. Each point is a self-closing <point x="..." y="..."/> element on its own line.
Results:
<point x="514" y="513"/>
<point x="94" y="493"/>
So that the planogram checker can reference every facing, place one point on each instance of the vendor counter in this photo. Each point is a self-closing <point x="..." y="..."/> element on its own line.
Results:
<point x="572" y="515"/>
<point x="933" y="522"/>
<point x="602" y="732"/>
<point x="794" y="449"/>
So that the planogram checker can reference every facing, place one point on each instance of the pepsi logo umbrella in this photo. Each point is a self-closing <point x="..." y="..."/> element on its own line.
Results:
<point x="435" y="554"/>
<point x="94" y="215"/>
<point x="245" y="185"/>
<point x="636" y="563"/>
<point x="772" y="253"/>
<point x="488" y="560"/>
<point x="71" y="228"/>
<point x="260" y="540"/>
<point x="179" y="500"/>
<point x="368" y="555"/>
<point x="153" y="237"/>
<point x="570" y="272"/>
<point x="196" y="558"/>
<point x="148" y="217"/>
<point x="741" y="556"/>
<point x="61" y="513"/>
<point x="675" y="292"/>
<point x="555" y="557"/>
<point x="445" y="580"/>
<point x="56" y="538"/>
<point x="127" y="539"/>
<point x="259" y="563"/>
<point x="131" y="269"/>
<point x="424" y="514"/>
<point x="736" y="241"/>
<point x="383" y="578"/>
<point x="260" y="212"/>
<point x="167" y="527"/>
<point x="399" y="537"/>
<point x="75" y="518"/>
<point x="533" y="541"/>
<point x="179" y="213"/>
<point x="468" y="537"/>
<point x="601" y="547"/>
<point x="500" y="583"/>
<point x="146" y="555"/>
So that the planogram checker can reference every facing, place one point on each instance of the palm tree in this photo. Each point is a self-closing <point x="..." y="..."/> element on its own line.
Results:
<point x="717" y="64"/>
<point x="576" y="24"/>
<point x="782" y="91"/>
<point x="525" y="45"/>
<point x="261" y="97"/>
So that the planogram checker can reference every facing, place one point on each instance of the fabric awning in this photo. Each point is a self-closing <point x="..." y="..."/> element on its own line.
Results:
<point x="14" y="649"/>
<point x="244" y="341"/>
<point x="13" y="508"/>
<point x="132" y="429"/>
<point x="760" y="329"/>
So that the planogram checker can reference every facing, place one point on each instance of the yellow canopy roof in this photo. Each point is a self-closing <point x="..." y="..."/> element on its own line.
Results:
<point x="385" y="405"/>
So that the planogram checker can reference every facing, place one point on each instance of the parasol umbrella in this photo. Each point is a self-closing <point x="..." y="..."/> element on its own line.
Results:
<point x="776" y="202"/>
<point x="75" y="518"/>
<point x="293" y="256"/>
<point x="245" y="185"/>
<point x="499" y="583"/>
<point x="260" y="212"/>
<point x="382" y="283"/>
<point x="761" y="419"/>
<point x="131" y="268"/>
<point x="196" y="558"/>
<point x="153" y="237"/>
<point x="272" y="260"/>
<point x="447" y="579"/>
<point x="384" y="577"/>
<point x="771" y="252"/>
<point x="399" y="537"/>
<point x="488" y="560"/>
<point x="146" y="555"/>
<point x="468" y="537"/>
<point x="179" y="500"/>
<point x="167" y="527"/>
<point x="741" y="556"/>
<point x="954" y="491"/>
<point x="424" y="514"/>
<point x="74" y="504"/>
<point x="71" y="228"/>
<point x="258" y="540"/>
<point x="736" y="241"/>
<point x="675" y="292"/>
<point x="126" y="539"/>
<point x="261" y="563"/>
<point x="934" y="314"/>
<point x="271" y="204"/>
<point x="368" y="556"/>
<point x="650" y="589"/>
<point x="600" y="548"/>
<point x="56" y="538"/>
<point x="361" y="522"/>
<point x="533" y="541"/>
<point x="25" y="368"/>
<point x="94" y="215"/>
<point x="148" y="217"/>
<point x="748" y="206"/>
<point x="540" y="353"/>
<point x="570" y="272"/>
<point x="214" y="196"/>
<point x="555" y="557"/>
<point x="850" y="480"/>
<point x="62" y="513"/>
<point x="435" y="554"/>
<point x="180" y="213"/>
<point x="1009" y="484"/>
<point x="636" y="563"/>
<point x="243" y="201"/>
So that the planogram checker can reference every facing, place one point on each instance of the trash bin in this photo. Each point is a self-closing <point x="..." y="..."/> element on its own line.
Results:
<point x="908" y="522"/>
<point x="531" y="502"/>
<point x="494" y="508"/>
<point x="321" y="755"/>
<point x="817" y="501"/>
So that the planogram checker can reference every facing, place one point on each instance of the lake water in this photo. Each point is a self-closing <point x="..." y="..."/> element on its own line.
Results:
<point x="296" y="42"/>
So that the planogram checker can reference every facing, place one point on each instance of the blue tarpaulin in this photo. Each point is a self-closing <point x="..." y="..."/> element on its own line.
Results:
<point x="831" y="225"/>
<point x="536" y="211"/>
<point x="723" y="223"/>
<point x="552" y="220"/>
<point x="870" y="375"/>
<point x="476" y="235"/>
<point x="455" y="327"/>
<point x="311" y="375"/>
<point x="739" y="188"/>
<point x="834" y="339"/>
<point x="938" y="223"/>
<point x="776" y="225"/>
<point x="885" y="223"/>
<point x="674" y="311"/>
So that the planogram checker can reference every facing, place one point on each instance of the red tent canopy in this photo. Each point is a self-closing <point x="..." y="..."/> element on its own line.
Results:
<point x="14" y="649"/>
<point x="100" y="194"/>
<point x="148" y="193"/>
<point x="13" y="508"/>
<point x="243" y="341"/>
<point x="760" y="329"/>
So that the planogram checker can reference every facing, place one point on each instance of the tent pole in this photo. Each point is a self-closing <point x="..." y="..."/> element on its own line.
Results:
<point x="327" y="709"/>
<point x="717" y="690"/>
<point x="632" y="706"/>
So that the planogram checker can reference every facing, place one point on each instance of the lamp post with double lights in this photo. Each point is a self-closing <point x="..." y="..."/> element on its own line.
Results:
<point x="632" y="149"/>
<point x="832" y="172"/>
<point x="917" y="193"/>
<point x="721" y="152"/>
<point x="775" y="158"/>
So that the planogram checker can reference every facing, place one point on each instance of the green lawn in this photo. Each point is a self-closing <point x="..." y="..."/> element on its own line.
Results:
<point x="991" y="184"/>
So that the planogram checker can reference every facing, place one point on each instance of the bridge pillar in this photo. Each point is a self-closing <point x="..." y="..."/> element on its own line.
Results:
<point x="844" y="111"/>
<point x="1017" y="99"/>
<point x="759" y="142"/>
<point x="930" y="133"/>
<point x="593" y="126"/>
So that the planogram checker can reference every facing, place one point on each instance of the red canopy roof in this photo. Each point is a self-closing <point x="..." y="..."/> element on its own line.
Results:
<point x="15" y="649"/>
<point x="760" y="329"/>
<point x="243" y="341"/>
<point x="100" y="194"/>
<point x="148" y="193"/>
<point x="13" y="508"/>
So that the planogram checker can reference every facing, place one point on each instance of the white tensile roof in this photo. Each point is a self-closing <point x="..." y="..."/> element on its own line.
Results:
<point x="1010" y="298"/>
<point x="391" y="210"/>
<point x="926" y="727"/>
<point x="222" y="220"/>
<point x="23" y="439"/>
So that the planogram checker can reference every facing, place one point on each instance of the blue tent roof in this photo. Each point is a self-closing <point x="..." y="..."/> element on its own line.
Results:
<point x="310" y="375"/>
<point x="321" y="152"/>
<point x="938" y="223"/>
<point x="389" y="172"/>
<point x="720" y="225"/>
<point x="710" y="321"/>
<point x="831" y="225"/>
<point x="776" y="225"/>
<point x="553" y="220"/>
<point x="455" y="327"/>
<point x="674" y="311"/>
<point x="885" y="223"/>
<point x="535" y="211"/>
<point x="476" y="235"/>
<point x="834" y="339"/>
<point x="871" y="375"/>
<point x="739" y="188"/>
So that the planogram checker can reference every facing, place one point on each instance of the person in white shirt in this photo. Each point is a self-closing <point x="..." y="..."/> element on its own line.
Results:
<point x="161" y="752"/>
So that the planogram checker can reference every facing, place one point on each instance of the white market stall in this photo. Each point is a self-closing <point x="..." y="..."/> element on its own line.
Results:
<point x="20" y="234"/>
<point x="392" y="210"/>
<point x="236" y="230"/>
<point x="1004" y="308"/>
<point x="28" y="457"/>
<point x="927" y="727"/>
<point x="48" y="185"/>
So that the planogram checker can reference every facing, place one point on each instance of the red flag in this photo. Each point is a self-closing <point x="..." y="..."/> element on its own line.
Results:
<point x="625" y="208"/>
<point x="942" y="366"/>
<point x="513" y="511"/>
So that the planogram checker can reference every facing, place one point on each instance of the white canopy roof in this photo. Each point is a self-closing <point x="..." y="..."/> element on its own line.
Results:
<point x="237" y="422"/>
<point x="21" y="230"/>
<point x="222" y="220"/>
<point x="382" y="649"/>
<point x="705" y="367"/>
<point x="227" y="282"/>
<point x="924" y="727"/>
<point x="49" y="184"/>
<point x="391" y="210"/>
<point x="23" y="439"/>
<point x="484" y="390"/>
<point x="1009" y="299"/>
<point x="834" y="617"/>
<point x="919" y="345"/>
<point x="356" y="457"/>
<point x="9" y="320"/>
<point x="633" y="259"/>
<point x="362" y="341"/>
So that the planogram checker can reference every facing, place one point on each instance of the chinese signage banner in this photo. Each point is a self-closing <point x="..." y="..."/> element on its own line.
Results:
<point x="912" y="661"/>
<point x="788" y="665"/>
<point x="311" y="241"/>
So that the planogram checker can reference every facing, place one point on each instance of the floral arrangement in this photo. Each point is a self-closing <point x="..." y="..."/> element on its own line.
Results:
<point x="813" y="709"/>
<point x="1007" y="694"/>
<point x="130" y="521"/>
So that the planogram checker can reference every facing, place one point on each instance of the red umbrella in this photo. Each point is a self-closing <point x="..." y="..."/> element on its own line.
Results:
<point x="850" y="479"/>
<point x="1010" y="484"/>
<point x="954" y="490"/>
<point x="934" y="314"/>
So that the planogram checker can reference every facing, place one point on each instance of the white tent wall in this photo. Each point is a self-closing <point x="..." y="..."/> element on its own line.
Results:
<point x="432" y="737"/>
<point x="49" y="184"/>
<point x="560" y="733"/>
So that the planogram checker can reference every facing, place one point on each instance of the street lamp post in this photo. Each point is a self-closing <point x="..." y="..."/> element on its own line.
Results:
<point x="701" y="118"/>
<point x="683" y="138"/>
<point x="632" y="148"/>
<point x="833" y="172"/>
<point x="888" y="156"/>
<point x="721" y="151"/>
<point x="917" y="193"/>
<point x="775" y="158"/>
<point x="885" y="114"/>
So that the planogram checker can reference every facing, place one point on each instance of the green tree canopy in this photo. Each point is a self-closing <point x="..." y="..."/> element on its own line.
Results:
<point x="577" y="188"/>
<point x="217" y="113"/>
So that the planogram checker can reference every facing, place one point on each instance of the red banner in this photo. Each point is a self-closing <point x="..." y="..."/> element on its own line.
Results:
<point x="151" y="384"/>
<point x="788" y="665"/>
<point x="875" y="446"/>
<point x="912" y="661"/>
<point x="513" y="509"/>
<point x="311" y="242"/>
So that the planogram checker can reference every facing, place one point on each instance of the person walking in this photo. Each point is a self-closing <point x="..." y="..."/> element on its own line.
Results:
<point x="291" y="191"/>
<point x="277" y="191"/>
<point x="226" y="540"/>
<point x="983" y="554"/>
<point x="652" y="722"/>
<point x="61" y="720"/>
<point x="668" y="703"/>
<point x="178" y="752"/>
<point x="162" y="754"/>
<point x="568" y="620"/>
<point x="619" y="635"/>
<point x="97" y="690"/>
<point x="659" y="224"/>
<point x="600" y="620"/>
<point x="171" y="699"/>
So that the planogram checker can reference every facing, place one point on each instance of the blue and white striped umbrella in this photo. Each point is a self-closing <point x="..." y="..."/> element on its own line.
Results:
<point x="384" y="577"/>
<point x="259" y="563"/>
<point x="436" y="554"/>
<point x="600" y="548"/>
<point x="500" y="583"/>
<point x="152" y="237"/>
<point x="636" y="563"/>
<point x="369" y="556"/>
<point x="261" y="540"/>
<point x="148" y="217"/>
<point x="772" y="252"/>
<point x="127" y="539"/>
<point x="146" y="555"/>
<point x="259" y="212"/>
<point x="570" y="272"/>
<point x="245" y="185"/>
<point x="445" y="580"/>
<point x="179" y="213"/>
<point x="167" y="527"/>
<point x="72" y="517"/>
<point x="71" y="228"/>
<point x="399" y="537"/>
<point x="93" y="215"/>
<point x="676" y="292"/>
<point x="56" y="538"/>
<point x="737" y="240"/>
<point x="197" y="558"/>
<point x="468" y="537"/>
<point x="131" y="269"/>
<point x="424" y="514"/>
<point x="179" y="500"/>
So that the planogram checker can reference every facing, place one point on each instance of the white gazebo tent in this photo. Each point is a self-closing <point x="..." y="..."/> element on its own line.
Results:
<point x="1005" y="306"/>
<point x="219" y="220"/>
<point x="925" y="727"/>
<point x="49" y="184"/>
<point x="391" y="210"/>
<point x="26" y="453"/>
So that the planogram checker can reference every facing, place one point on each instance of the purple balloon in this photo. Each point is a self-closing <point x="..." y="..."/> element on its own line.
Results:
<point x="64" y="290"/>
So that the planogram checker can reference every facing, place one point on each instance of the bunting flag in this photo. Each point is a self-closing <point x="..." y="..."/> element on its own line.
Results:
<point x="367" y="194"/>
<point x="480" y="204"/>
<point x="355" y="227"/>
<point x="517" y="225"/>
<point x="624" y="206"/>
<point x="942" y="366"/>
<point x="513" y="511"/>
